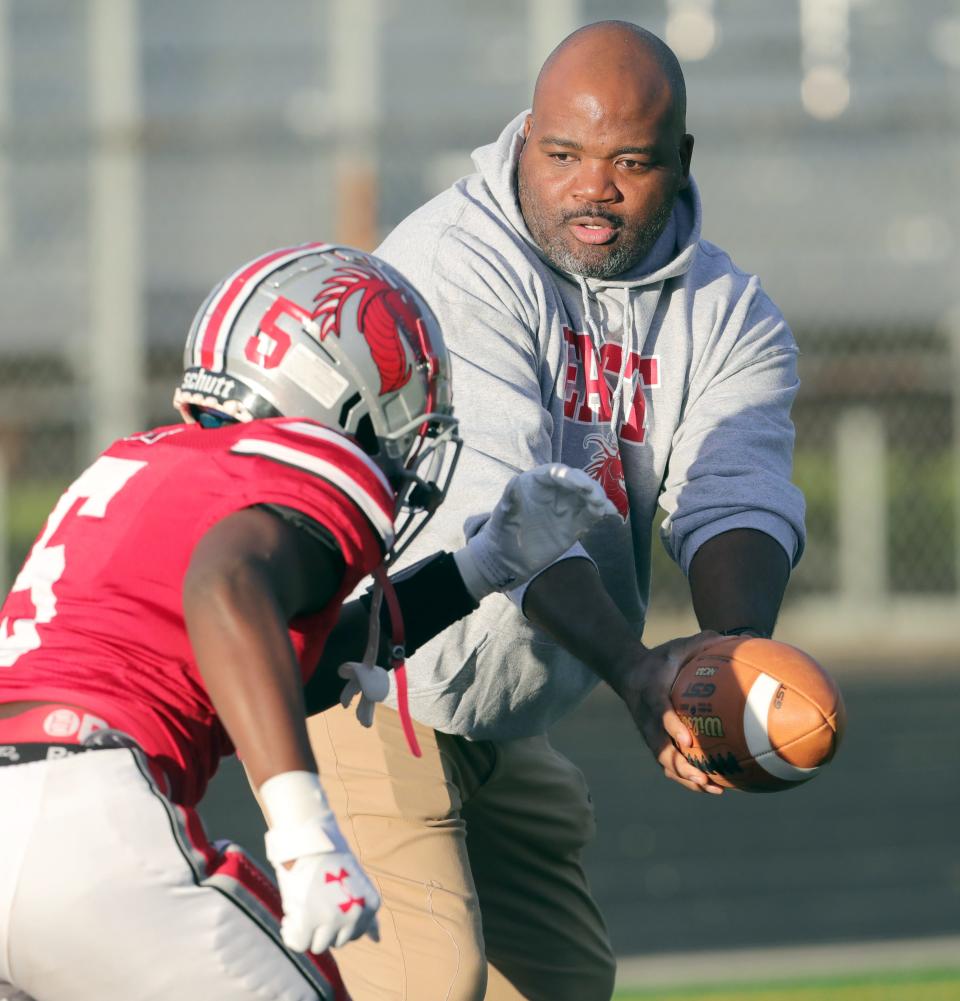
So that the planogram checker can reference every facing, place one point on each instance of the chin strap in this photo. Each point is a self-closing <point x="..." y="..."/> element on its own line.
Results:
<point x="397" y="654"/>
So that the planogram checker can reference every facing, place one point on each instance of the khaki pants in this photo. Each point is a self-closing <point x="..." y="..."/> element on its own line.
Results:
<point x="475" y="849"/>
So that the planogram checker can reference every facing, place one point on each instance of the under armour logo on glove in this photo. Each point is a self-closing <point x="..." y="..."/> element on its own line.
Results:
<point x="326" y="896"/>
<point x="352" y="902"/>
<point x="324" y="906"/>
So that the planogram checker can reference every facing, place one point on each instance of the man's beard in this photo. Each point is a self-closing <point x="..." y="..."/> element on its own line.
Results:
<point x="632" y="243"/>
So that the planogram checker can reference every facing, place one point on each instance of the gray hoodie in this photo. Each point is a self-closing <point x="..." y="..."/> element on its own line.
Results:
<point x="685" y="357"/>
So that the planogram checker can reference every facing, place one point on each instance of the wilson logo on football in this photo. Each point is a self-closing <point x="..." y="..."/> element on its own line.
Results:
<point x="704" y="726"/>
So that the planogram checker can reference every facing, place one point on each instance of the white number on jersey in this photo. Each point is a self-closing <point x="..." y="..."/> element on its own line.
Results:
<point x="96" y="487"/>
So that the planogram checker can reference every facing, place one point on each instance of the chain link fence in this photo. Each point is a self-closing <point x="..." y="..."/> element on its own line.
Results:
<point x="146" y="149"/>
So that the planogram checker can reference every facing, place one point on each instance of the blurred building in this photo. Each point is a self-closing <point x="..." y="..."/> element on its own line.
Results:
<point x="146" y="149"/>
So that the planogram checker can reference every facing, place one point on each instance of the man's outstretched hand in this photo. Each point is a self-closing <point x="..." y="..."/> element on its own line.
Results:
<point x="541" y="514"/>
<point x="644" y="686"/>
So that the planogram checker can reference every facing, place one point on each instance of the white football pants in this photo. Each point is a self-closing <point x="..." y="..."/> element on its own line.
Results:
<point x="108" y="892"/>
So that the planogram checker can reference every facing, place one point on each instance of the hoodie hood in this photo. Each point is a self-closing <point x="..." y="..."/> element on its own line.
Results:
<point x="636" y="293"/>
<point x="670" y="257"/>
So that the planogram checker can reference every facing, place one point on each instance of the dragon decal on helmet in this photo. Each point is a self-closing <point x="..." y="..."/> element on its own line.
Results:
<point x="384" y="315"/>
<point x="333" y="334"/>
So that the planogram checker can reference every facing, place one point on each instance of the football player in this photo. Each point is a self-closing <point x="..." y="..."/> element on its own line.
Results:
<point x="175" y="606"/>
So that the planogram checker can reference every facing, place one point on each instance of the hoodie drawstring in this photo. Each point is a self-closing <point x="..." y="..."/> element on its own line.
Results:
<point x="631" y="342"/>
<point x="596" y="336"/>
<point x="592" y="327"/>
<point x="627" y="342"/>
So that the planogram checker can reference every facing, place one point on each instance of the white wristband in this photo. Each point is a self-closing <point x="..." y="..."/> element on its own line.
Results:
<point x="301" y="821"/>
<point x="291" y="798"/>
<point x="313" y="837"/>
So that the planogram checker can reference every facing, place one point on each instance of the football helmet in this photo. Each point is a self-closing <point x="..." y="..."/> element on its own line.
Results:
<point x="333" y="334"/>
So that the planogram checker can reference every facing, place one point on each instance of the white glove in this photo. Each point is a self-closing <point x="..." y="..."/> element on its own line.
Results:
<point x="371" y="682"/>
<point x="541" y="514"/>
<point x="327" y="898"/>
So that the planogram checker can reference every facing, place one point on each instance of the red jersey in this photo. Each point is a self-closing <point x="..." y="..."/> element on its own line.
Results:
<point x="95" y="617"/>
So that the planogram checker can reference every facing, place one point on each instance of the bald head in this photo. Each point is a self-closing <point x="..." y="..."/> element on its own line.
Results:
<point x="615" y="57"/>
<point x="605" y="151"/>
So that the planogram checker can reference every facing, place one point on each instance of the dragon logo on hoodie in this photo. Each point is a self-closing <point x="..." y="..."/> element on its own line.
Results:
<point x="606" y="467"/>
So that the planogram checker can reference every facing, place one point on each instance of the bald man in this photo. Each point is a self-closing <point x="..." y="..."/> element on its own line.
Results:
<point x="589" y="323"/>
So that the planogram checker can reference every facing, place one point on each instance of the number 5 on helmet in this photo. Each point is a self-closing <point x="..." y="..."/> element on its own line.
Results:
<point x="336" y="335"/>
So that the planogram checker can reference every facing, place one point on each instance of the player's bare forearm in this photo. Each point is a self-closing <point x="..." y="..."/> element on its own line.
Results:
<point x="737" y="581"/>
<point x="247" y="578"/>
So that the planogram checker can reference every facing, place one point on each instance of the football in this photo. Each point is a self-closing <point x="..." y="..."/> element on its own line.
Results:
<point x="764" y="716"/>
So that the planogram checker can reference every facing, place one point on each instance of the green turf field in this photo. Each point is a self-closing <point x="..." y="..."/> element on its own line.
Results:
<point x="931" y="985"/>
